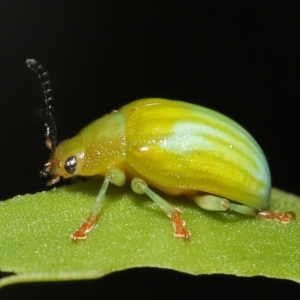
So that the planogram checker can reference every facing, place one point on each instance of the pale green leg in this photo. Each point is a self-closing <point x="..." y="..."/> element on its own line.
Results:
<point x="139" y="186"/>
<point x="215" y="203"/>
<point x="210" y="202"/>
<point x="114" y="176"/>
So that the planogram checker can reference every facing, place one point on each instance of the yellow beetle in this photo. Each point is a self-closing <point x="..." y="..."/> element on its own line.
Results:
<point x="173" y="146"/>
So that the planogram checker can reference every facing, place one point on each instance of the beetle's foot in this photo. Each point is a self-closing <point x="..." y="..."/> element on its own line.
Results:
<point x="179" y="225"/>
<point x="284" y="218"/>
<point x="84" y="228"/>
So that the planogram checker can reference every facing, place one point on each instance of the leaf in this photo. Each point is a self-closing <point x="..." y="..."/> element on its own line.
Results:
<point x="133" y="232"/>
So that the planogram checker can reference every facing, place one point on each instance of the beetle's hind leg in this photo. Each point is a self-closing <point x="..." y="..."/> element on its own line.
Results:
<point x="215" y="203"/>
<point x="284" y="218"/>
<point x="140" y="187"/>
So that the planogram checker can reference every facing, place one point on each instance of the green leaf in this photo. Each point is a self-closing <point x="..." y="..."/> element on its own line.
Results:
<point x="133" y="232"/>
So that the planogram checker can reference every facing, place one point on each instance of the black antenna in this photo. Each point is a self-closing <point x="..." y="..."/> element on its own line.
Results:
<point x="46" y="114"/>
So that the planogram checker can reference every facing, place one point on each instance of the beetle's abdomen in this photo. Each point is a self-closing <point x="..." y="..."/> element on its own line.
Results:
<point x="179" y="147"/>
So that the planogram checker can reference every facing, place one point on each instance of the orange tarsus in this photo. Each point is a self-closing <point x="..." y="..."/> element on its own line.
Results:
<point x="84" y="228"/>
<point x="284" y="218"/>
<point x="179" y="225"/>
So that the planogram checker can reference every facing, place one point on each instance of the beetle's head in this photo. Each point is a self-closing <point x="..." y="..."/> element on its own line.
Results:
<point x="65" y="160"/>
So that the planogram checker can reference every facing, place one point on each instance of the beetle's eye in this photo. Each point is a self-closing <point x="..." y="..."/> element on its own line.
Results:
<point x="70" y="164"/>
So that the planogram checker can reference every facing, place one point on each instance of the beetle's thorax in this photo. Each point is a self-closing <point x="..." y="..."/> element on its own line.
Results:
<point x="104" y="144"/>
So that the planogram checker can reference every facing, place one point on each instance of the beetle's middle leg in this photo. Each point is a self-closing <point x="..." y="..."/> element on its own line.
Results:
<point x="215" y="203"/>
<point x="140" y="187"/>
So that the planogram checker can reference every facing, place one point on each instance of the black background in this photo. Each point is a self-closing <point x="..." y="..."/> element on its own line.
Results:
<point x="240" y="59"/>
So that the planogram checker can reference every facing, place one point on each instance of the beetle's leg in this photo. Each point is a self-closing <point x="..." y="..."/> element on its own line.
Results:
<point x="284" y="218"/>
<point x="140" y="187"/>
<point x="114" y="176"/>
<point x="210" y="202"/>
<point x="215" y="203"/>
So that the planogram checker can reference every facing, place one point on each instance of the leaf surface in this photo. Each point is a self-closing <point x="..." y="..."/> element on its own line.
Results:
<point x="133" y="232"/>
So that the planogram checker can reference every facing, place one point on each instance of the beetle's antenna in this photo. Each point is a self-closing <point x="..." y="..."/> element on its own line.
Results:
<point x="46" y="114"/>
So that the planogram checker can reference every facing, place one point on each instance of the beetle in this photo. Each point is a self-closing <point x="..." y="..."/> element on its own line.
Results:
<point x="175" y="147"/>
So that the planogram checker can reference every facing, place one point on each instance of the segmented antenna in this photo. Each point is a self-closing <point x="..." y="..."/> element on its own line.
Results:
<point x="46" y="113"/>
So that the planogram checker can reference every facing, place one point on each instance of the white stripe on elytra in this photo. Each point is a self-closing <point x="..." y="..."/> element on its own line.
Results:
<point x="189" y="136"/>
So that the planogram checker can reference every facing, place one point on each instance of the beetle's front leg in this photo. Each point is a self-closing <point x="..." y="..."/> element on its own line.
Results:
<point x="114" y="176"/>
<point x="140" y="187"/>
